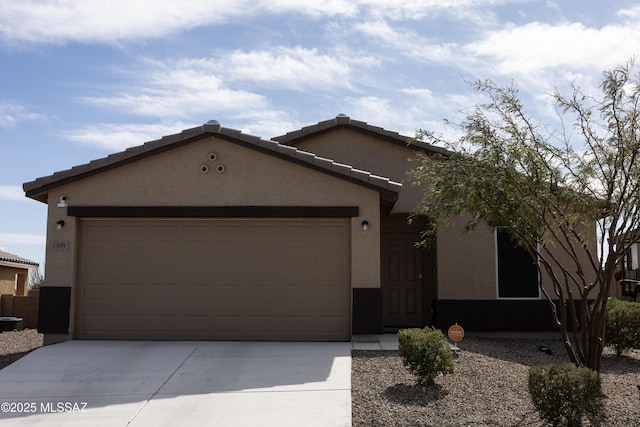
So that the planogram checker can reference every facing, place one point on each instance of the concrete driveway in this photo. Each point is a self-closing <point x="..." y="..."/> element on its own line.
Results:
<point x="156" y="383"/>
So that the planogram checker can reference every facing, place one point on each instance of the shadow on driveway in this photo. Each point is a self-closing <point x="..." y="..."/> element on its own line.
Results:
<point x="159" y="383"/>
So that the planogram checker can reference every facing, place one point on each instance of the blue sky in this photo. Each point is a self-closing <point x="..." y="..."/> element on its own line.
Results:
<point x="83" y="79"/>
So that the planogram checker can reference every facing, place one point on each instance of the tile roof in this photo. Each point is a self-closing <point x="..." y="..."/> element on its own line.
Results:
<point x="344" y="121"/>
<point x="38" y="188"/>
<point x="7" y="258"/>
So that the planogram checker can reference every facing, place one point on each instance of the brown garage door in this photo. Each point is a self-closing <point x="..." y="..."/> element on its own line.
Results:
<point x="214" y="279"/>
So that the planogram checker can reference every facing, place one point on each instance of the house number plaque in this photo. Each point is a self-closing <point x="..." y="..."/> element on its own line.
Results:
<point x="60" y="245"/>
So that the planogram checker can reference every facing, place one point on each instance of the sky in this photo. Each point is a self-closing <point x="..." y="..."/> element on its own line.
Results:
<point x="81" y="79"/>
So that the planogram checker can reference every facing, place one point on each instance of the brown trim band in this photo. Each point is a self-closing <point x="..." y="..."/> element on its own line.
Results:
<point x="497" y="315"/>
<point x="367" y="312"/>
<point x="214" y="211"/>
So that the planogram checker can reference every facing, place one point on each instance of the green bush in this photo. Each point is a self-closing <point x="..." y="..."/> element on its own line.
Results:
<point x="425" y="353"/>
<point x="623" y="325"/>
<point x="563" y="394"/>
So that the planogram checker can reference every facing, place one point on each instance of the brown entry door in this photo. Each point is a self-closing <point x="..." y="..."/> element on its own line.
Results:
<point x="403" y="284"/>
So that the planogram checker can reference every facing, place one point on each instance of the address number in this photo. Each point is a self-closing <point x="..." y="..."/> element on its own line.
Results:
<point x="60" y="245"/>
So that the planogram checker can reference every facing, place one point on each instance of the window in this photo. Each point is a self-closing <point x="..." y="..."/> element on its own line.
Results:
<point x="627" y="261"/>
<point x="517" y="271"/>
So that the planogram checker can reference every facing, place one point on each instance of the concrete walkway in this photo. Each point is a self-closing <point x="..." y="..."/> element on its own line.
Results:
<point x="154" y="383"/>
<point x="375" y="342"/>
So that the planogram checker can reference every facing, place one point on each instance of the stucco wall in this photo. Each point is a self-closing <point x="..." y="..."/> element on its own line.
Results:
<point x="374" y="155"/>
<point x="8" y="280"/>
<point x="471" y="270"/>
<point x="174" y="178"/>
<point x="466" y="262"/>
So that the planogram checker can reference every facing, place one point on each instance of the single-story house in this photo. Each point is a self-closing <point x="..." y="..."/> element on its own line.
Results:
<point x="215" y="234"/>
<point x="14" y="274"/>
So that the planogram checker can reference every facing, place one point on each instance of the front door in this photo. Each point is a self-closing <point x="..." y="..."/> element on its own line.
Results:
<point x="404" y="286"/>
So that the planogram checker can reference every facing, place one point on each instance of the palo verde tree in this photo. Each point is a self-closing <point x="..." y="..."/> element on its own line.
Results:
<point x="566" y="197"/>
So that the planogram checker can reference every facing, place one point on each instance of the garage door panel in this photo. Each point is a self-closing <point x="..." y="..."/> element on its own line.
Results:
<point x="196" y="233"/>
<point x="231" y="233"/>
<point x="296" y="292"/>
<point x="126" y="323"/>
<point x="162" y="293"/>
<point x="98" y="292"/>
<point x="264" y="233"/>
<point x="329" y="295"/>
<point x="331" y="233"/>
<point x="131" y="233"/>
<point x="326" y="324"/>
<point x="214" y="279"/>
<point x="97" y="323"/>
<point x="99" y="232"/>
<point x="297" y="233"/>
<point x="164" y="233"/>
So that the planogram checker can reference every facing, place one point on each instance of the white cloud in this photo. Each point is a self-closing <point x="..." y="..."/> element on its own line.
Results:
<point x="122" y="20"/>
<point x="632" y="13"/>
<point x="12" y="112"/>
<point x="12" y="192"/>
<point x="445" y="103"/>
<point x="110" y="21"/>
<point x="190" y="88"/>
<point x="530" y="51"/>
<point x="415" y="108"/>
<point x="536" y="46"/>
<point x="117" y="137"/>
<point x="410" y="43"/>
<point x="179" y="92"/>
<point x="293" y="68"/>
<point x="265" y="124"/>
<point x="22" y="239"/>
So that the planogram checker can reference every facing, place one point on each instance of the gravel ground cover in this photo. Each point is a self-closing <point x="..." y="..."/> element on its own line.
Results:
<point x="15" y="344"/>
<point x="488" y="388"/>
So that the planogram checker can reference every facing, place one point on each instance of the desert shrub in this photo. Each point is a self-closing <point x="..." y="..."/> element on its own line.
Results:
<point x="425" y="353"/>
<point x="623" y="325"/>
<point x="563" y="394"/>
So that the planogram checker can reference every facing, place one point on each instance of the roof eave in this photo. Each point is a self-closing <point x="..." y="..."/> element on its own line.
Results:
<point x="39" y="188"/>
<point x="345" y="122"/>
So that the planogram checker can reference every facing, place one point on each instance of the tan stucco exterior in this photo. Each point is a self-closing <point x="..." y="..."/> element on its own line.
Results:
<point x="175" y="178"/>
<point x="466" y="262"/>
<point x="14" y="280"/>
<point x="370" y="154"/>
<point x="333" y="164"/>
<point x="14" y="274"/>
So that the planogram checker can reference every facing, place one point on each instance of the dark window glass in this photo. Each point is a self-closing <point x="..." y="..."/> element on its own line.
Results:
<point x="517" y="272"/>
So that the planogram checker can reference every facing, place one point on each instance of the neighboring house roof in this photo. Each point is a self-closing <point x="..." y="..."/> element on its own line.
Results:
<point x="388" y="189"/>
<point x="11" y="260"/>
<point x="344" y="121"/>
